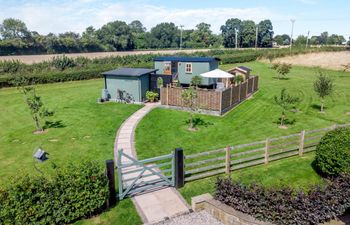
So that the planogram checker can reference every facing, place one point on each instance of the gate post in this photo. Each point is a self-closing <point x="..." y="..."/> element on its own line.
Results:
<point x="112" y="199"/>
<point x="179" y="168"/>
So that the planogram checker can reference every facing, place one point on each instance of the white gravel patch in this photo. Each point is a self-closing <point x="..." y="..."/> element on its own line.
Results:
<point x="195" y="218"/>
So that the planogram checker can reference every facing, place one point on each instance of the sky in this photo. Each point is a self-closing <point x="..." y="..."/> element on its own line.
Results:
<point x="56" y="16"/>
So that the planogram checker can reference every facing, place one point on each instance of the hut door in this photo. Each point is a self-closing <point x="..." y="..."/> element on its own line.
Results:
<point x="167" y="68"/>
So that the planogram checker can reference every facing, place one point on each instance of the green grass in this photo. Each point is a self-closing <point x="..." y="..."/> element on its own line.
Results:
<point x="123" y="214"/>
<point x="88" y="133"/>
<point x="295" y="172"/>
<point x="256" y="119"/>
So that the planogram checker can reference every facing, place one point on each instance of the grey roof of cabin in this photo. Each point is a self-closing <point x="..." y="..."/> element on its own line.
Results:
<point x="131" y="72"/>
<point x="186" y="59"/>
<point x="245" y="68"/>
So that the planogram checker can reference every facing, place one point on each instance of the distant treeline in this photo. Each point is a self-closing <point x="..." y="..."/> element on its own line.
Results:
<point x="63" y="68"/>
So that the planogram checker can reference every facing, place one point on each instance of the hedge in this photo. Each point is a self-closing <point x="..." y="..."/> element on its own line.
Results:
<point x="333" y="153"/>
<point x="71" y="193"/>
<point x="285" y="206"/>
<point x="62" y="69"/>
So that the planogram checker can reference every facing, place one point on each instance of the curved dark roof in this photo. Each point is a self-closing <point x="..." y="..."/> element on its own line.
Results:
<point x="186" y="59"/>
<point x="245" y="68"/>
<point x="132" y="72"/>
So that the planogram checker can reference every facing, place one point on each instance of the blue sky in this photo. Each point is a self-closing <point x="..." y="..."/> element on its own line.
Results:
<point x="59" y="16"/>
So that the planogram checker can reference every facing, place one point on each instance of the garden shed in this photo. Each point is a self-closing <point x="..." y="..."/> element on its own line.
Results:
<point x="127" y="84"/>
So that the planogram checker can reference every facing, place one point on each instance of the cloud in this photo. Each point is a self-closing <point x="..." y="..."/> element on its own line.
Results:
<point x="76" y="16"/>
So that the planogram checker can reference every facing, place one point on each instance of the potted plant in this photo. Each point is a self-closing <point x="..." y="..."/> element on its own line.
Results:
<point x="152" y="96"/>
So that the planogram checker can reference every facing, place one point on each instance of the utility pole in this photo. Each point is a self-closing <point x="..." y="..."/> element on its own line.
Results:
<point x="181" y="26"/>
<point x="307" y="39"/>
<point x="236" y="38"/>
<point x="291" y="36"/>
<point x="256" y="37"/>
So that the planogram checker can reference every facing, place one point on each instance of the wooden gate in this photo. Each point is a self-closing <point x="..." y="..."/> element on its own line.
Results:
<point x="139" y="176"/>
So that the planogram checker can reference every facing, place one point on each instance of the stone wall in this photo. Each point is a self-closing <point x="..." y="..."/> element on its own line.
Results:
<point x="224" y="213"/>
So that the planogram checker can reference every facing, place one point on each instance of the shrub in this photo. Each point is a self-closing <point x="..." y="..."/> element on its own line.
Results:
<point x="10" y="66"/>
<point x="62" y="62"/>
<point x="285" y="206"/>
<point x="151" y="96"/>
<point x="71" y="193"/>
<point x="333" y="153"/>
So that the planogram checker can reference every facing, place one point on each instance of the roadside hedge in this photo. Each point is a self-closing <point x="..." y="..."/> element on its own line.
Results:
<point x="333" y="153"/>
<point x="285" y="206"/>
<point x="71" y="193"/>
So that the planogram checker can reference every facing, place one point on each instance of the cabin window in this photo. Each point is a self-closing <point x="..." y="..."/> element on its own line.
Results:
<point x="167" y="67"/>
<point x="188" y="67"/>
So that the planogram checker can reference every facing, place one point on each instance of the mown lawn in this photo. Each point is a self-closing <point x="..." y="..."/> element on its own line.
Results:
<point x="87" y="132"/>
<point x="294" y="172"/>
<point x="256" y="119"/>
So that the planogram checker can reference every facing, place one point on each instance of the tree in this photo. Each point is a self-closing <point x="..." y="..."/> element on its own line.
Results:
<point x="189" y="97"/>
<point x="248" y="33"/>
<point x="282" y="39"/>
<point x="196" y="81"/>
<point x="34" y="102"/>
<point x="285" y="101"/>
<point x="282" y="69"/>
<point x="229" y="32"/>
<point x="137" y="27"/>
<point x="238" y="79"/>
<point x="90" y="41"/>
<point x="165" y="35"/>
<point x="13" y="28"/>
<point x="323" y="86"/>
<point x="116" y="35"/>
<point x="202" y="36"/>
<point x="300" y="41"/>
<point x="265" y="33"/>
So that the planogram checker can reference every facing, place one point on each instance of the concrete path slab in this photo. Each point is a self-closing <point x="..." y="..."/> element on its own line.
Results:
<point x="157" y="205"/>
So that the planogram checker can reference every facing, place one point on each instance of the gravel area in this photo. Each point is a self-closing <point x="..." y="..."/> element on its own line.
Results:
<point x="195" y="218"/>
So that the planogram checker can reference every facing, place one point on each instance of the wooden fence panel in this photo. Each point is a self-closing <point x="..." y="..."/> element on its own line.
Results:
<point x="243" y="91"/>
<point x="250" y="85"/>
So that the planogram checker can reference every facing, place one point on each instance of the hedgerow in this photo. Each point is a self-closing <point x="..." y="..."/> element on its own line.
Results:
<point x="285" y="206"/>
<point x="71" y="193"/>
<point x="333" y="153"/>
<point x="62" y="68"/>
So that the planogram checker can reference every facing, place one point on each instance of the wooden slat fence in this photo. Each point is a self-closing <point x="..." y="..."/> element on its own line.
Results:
<point x="205" y="164"/>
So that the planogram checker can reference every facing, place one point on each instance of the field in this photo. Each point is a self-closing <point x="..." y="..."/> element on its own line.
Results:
<point x="29" y="59"/>
<point x="163" y="130"/>
<point x="326" y="60"/>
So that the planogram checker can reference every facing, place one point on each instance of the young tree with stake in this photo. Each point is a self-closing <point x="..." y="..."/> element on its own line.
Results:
<point x="189" y="97"/>
<point x="282" y="69"/>
<point x="323" y="86"/>
<point x="35" y="105"/>
<point x="285" y="101"/>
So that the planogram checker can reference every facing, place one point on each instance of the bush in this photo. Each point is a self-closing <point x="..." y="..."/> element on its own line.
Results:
<point x="285" y="206"/>
<point x="71" y="193"/>
<point x="62" y="62"/>
<point x="10" y="66"/>
<point x="152" y="96"/>
<point x="333" y="153"/>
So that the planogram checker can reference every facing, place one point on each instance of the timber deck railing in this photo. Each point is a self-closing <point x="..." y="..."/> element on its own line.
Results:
<point x="225" y="160"/>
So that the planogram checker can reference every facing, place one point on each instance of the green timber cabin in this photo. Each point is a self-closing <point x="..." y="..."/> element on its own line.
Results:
<point x="183" y="69"/>
<point x="127" y="84"/>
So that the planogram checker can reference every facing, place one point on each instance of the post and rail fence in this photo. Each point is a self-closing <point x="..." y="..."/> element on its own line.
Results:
<point x="185" y="168"/>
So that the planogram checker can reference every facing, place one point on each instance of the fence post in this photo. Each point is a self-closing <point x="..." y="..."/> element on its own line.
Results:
<point x="247" y="89"/>
<point x="301" y="145"/>
<point x="112" y="199"/>
<point x="228" y="160"/>
<point x="231" y="96"/>
<point x="179" y="168"/>
<point x="267" y="146"/>
<point x="239" y="92"/>
<point x="167" y="94"/>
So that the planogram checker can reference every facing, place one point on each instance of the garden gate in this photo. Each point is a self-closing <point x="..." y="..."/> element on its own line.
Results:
<point x="139" y="176"/>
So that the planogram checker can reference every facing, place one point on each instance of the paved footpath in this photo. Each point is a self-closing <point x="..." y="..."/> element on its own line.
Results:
<point x="154" y="206"/>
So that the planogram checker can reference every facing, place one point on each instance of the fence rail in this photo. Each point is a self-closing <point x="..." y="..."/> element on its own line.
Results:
<point x="205" y="164"/>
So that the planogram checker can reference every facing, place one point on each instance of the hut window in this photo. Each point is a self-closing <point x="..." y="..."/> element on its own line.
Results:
<point x="188" y="67"/>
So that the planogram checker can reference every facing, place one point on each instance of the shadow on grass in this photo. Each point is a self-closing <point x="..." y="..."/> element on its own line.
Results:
<point x="197" y="121"/>
<point x="54" y="124"/>
<point x="286" y="121"/>
<point x="281" y="78"/>
<point x="318" y="107"/>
